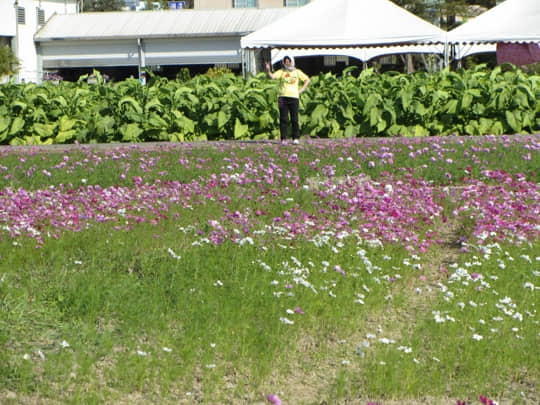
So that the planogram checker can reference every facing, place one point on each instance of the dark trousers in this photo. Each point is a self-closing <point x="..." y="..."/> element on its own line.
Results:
<point x="288" y="105"/>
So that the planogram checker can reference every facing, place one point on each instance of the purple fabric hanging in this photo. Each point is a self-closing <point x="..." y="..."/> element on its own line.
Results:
<point x="518" y="54"/>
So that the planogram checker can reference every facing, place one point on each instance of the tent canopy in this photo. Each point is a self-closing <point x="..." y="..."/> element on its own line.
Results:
<point x="510" y="21"/>
<point x="345" y="23"/>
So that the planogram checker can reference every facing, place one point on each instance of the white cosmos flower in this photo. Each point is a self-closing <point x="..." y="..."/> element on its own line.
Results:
<point x="477" y="337"/>
<point x="247" y="240"/>
<point x="438" y="317"/>
<point x="174" y="255"/>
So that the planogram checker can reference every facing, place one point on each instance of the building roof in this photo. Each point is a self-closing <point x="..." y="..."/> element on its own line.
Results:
<point x="158" y="24"/>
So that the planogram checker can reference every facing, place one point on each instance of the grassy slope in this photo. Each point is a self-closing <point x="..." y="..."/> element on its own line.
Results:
<point x="156" y="314"/>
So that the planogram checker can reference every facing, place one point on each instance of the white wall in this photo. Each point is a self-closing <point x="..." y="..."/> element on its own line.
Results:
<point x="7" y="18"/>
<point x="24" y="33"/>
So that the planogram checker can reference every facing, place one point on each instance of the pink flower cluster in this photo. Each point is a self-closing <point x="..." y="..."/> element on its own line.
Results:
<point x="279" y="202"/>
<point x="504" y="208"/>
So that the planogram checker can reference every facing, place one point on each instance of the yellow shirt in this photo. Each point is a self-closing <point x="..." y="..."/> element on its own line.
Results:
<point x="289" y="82"/>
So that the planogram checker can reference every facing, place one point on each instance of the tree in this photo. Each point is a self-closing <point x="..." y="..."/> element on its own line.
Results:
<point x="102" y="5"/>
<point x="9" y="64"/>
<point x="417" y="7"/>
<point x="445" y="13"/>
<point x="165" y="3"/>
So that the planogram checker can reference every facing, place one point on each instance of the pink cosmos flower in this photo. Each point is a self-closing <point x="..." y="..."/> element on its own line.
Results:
<point x="486" y="400"/>
<point x="274" y="399"/>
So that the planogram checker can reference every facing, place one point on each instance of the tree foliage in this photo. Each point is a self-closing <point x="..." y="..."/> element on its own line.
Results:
<point x="102" y="5"/>
<point x="9" y="63"/>
<point x="165" y="3"/>
<point x="446" y="13"/>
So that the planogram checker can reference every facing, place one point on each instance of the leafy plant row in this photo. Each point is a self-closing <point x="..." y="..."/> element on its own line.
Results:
<point x="473" y="102"/>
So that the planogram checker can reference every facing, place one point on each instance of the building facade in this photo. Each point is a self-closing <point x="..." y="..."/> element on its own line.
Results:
<point x="22" y="23"/>
<point x="19" y="21"/>
<point x="123" y="44"/>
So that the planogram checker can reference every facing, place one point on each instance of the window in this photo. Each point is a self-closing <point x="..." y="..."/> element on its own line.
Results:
<point x="244" y="3"/>
<point x="329" y="60"/>
<point x="21" y="16"/>
<point x="40" y="15"/>
<point x="295" y="3"/>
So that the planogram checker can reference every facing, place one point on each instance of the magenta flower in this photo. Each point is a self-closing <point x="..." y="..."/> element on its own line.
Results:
<point x="299" y="310"/>
<point x="274" y="399"/>
<point x="486" y="400"/>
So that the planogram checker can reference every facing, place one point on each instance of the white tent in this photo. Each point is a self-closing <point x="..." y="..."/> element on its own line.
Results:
<point x="510" y="21"/>
<point x="345" y="23"/>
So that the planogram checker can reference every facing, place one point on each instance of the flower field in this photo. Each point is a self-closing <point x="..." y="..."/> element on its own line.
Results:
<point x="362" y="270"/>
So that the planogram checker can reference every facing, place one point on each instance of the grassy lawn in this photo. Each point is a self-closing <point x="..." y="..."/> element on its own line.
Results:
<point x="382" y="271"/>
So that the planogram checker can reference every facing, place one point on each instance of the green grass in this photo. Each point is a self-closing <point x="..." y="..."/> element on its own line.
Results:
<point x="156" y="314"/>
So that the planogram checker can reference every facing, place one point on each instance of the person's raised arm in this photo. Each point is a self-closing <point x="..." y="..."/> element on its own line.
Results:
<point x="269" y="70"/>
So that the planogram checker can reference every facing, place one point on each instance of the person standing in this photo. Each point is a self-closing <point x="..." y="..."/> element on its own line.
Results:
<point x="289" y="95"/>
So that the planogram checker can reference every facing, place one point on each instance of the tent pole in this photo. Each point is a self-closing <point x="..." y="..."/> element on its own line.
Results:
<point x="243" y="55"/>
<point x="142" y="56"/>
<point x="446" y="50"/>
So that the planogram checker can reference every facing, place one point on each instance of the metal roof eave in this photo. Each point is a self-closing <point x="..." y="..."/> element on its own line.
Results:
<point x="144" y="36"/>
